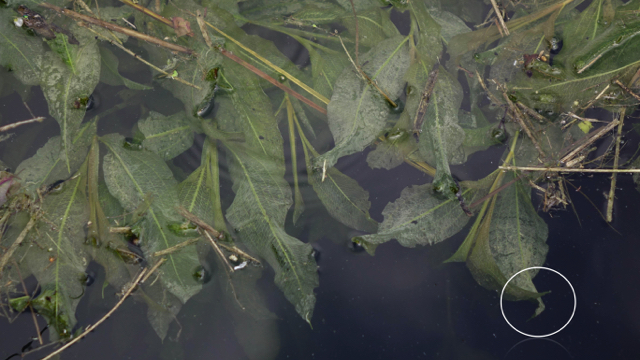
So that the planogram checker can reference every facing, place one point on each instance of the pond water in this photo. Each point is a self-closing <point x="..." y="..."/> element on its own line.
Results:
<point x="405" y="301"/>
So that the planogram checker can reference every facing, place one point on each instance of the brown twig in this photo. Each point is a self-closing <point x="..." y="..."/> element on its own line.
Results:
<point x="168" y="75"/>
<point x="616" y="159"/>
<point x="499" y="16"/>
<point x="19" y="123"/>
<point x="588" y="140"/>
<point x="90" y="328"/>
<point x="217" y="249"/>
<point x="113" y="27"/>
<point x="273" y="81"/>
<point x="569" y="170"/>
<point x="148" y="12"/>
<point x="175" y="247"/>
<point x="516" y="114"/>
<point x="7" y="255"/>
<point x="33" y="313"/>
<point x="635" y="96"/>
<point x="355" y="18"/>
<point x="424" y="100"/>
<point x="196" y="220"/>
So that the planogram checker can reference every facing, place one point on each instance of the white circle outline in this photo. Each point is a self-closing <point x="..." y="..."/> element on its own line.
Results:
<point x="575" y="302"/>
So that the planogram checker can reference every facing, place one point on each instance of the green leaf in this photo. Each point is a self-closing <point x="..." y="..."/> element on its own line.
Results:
<point x="450" y="24"/>
<point x="263" y="197"/>
<point x="374" y="26"/>
<point x="511" y="237"/>
<point x="20" y="52"/>
<point x="167" y="136"/>
<point x="357" y="113"/>
<point x="419" y="217"/>
<point x="130" y="175"/>
<point x="63" y="85"/>
<point x="257" y="214"/>
<point x="48" y="165"/>
<point x="110" y="75"/>
<point x="60" y="264"/>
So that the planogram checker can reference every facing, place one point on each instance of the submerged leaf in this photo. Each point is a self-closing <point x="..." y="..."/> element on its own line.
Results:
<point x="419" y="217"/>
<point x="257" y="215"/>
<point x="167" y="136"/>
<point x="131" y="174"/>
<point x="47" y="165"/>
<point x="357" y="113"/>
<point x="109" y="73"/>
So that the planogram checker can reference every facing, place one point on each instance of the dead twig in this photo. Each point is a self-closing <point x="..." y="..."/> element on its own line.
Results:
<point x="569" y="170"/>
<point x="499" y="16"/>
<point x="616" y="159"/>
<point x="588" y="140"/>
<point x="175" y="248"/>
<point x="424" y="100"/>
<point x="90" y="328"/>
<point x="113" y="27"/>
<point x="626" y="89"/>
<point x="33" y="313"/>
<point x="517" y="115"/>
<point x="23" y="122"/>
<point x="7" y="255"/>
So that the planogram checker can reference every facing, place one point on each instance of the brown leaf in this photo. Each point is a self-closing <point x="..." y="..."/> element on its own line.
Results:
<point x="181" y="26"/>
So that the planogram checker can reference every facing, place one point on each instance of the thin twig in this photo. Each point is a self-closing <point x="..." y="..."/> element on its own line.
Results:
<point x="175" y="248"/>
<point x="168" y="75"/>
<point x="33" y="313"/>
<point x="355" y="18"/>
<point x="19" y="123"/>
<point x="588" y="141"/>
<point x="199" y="222"/>
<point x="519" y="119"/>
<point x="499" y="16"/>
<point x="113" y="27"/>
<point x="90" y="328"/>
<point x="635" y="96"/>
<point x="217" y="249"/>
<point x="426" y="96"/>
<point x="482" y="199"/>
<point x="272" y="80"/>
<point x="7" y="255"/>
<point x="569" y="170"/>
<point x="616" y="159"/>
<point x="153" y="269"/>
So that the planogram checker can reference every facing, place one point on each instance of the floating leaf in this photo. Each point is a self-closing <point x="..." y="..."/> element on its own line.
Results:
<point x="419" y="217"/>
<point x="64" y="84"/>
<point x="131" y="174"/>
<point x="257" y="215"/>
<point x="20" y="52"/>
<point x="167" y="136"/>
<point x="48" y="166"/>
<point x="110" y="75"/>
<point x="357" y="113"/>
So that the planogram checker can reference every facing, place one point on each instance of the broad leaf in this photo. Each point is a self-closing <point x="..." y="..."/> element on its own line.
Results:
<point x="64" y="83"/>
<point x="48" y="166"/>
<point x="167" y="136"/>
<point x="357" y="113"/>
<point x="131" y="174"/>
<point x="419" y="217"/>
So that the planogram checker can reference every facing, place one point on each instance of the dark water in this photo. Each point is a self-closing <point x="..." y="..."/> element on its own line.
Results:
<point x="400" y="304"/>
